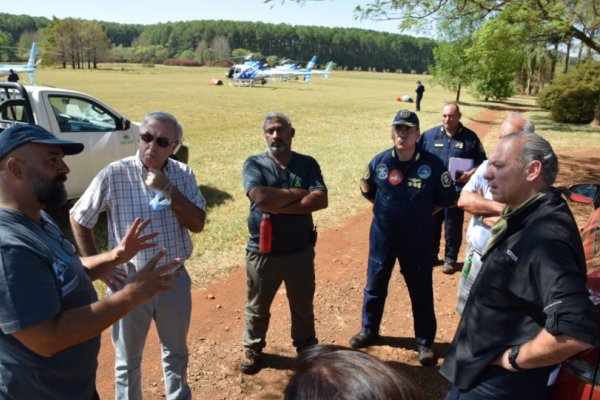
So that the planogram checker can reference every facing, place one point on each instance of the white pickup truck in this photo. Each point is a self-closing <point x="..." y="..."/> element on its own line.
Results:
<point x="106" y="134"/>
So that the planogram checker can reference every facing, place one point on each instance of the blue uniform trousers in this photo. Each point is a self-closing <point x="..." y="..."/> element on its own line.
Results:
<point x="418" y="277"/>
<point x="453" y="221"/>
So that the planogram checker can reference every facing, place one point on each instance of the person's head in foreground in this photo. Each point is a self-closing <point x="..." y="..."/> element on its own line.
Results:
<point x="328" y="372"/>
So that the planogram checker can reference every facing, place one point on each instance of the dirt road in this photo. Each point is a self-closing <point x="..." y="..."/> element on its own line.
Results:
<point x="217" y="318"/>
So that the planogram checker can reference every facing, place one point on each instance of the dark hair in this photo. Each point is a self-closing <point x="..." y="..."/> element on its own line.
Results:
<point x="328" y="372"/>
<point x="278" y="116"/>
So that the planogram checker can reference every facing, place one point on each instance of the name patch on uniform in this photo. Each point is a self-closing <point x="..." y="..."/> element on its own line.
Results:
<point x="438" y="145"/>
<point x="415" y="182"/>
<point x="446" y="179"/>
<point x="459" y="145"/>
<point x="395" y="177"/>
<point x="382" y="171"/>
<point x="424" y="171"/>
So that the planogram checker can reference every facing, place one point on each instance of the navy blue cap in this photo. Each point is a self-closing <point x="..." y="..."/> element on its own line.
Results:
<point x="406" y="117"/>
<point x="20" y="134"/>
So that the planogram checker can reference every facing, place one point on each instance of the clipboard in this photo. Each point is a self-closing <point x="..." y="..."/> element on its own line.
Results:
<point x="457" y="165"/>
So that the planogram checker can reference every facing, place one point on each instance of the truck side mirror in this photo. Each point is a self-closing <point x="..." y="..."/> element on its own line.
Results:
<point x="586" y="193"/>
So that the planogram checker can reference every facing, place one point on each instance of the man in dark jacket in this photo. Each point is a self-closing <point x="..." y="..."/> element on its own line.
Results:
<point x="529" y="309"/>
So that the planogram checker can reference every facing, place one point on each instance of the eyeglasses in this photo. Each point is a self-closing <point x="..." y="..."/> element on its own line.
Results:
<point x="52" y="230"/>
<point x="160" y="141"/>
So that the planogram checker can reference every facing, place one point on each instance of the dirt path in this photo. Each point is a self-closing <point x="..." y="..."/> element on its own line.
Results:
<point x="217" y="318"/>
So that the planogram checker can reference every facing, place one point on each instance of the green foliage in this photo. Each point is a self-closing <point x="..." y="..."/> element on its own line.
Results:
<point x="182" y="62"/>
<point x="187" y="54"/>
<point x="575" y="105"/>
<point x="494" y="56"/>
<point x="573" y="97"/>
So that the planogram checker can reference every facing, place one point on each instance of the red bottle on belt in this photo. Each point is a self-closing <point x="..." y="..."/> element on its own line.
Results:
<point x="265" y="234"/>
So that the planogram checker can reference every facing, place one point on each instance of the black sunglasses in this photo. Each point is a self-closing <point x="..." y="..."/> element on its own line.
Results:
<point x="160" y="141"/>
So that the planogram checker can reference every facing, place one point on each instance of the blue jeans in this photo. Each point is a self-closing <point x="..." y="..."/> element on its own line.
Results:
<point x="171" y="312"/>
<point x="496" y="383"/>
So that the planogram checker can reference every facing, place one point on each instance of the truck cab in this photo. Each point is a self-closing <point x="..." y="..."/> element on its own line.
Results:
<point x="106" y="134"/>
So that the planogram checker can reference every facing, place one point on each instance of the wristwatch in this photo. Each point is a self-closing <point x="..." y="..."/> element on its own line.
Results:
<point x="512" y="357"/>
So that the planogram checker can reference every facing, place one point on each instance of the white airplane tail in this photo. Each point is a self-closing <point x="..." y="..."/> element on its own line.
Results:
<point x="328" y="69"/>
<point x="32" y="55"/>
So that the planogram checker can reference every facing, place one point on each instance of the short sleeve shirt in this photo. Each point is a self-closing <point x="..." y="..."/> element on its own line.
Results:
<point x="119" y="189"/>
<point x="41" y="276"/>
<point x="478" y="233"/>
<point x="291" y="232"/>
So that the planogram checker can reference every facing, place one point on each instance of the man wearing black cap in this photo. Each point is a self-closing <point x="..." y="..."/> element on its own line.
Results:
<point x="405" y="185"/>
<point x="50" y="316"/>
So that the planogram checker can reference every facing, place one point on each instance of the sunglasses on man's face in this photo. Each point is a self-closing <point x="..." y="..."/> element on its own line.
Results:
<point x="160" y="141"/>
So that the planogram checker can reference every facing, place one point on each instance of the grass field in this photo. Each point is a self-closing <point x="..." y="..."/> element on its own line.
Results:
<point x="343" y="122"/>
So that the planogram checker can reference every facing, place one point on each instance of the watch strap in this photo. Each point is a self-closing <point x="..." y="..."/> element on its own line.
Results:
<point x="512" y="357"/>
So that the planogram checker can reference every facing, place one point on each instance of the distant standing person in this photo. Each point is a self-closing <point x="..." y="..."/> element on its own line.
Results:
<point x="13" y="76"/>
<point x="406" y="185"/>
<point x="284" y="187"/>
<point x="420" y="89"/>
<point x="153" y="186"/>
<point x="451" y="139"/>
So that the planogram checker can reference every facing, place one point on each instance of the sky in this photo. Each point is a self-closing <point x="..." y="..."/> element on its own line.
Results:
<point x="330" y="13"/>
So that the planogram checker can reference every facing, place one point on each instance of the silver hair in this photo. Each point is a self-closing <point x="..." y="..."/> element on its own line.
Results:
<point x="279" y="116"/>
<point x="164" y="117"/>
<point x="527" y="126"/>
<point x="536" y="148"/>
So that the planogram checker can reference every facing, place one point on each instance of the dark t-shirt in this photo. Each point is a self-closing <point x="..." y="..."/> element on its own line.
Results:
<point x="40" y="276"/>
<point x="291" y="232"/>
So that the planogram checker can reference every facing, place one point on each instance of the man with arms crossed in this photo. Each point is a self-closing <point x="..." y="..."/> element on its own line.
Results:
<point x="156" y="187"/>
<point x="50" y="316"/>
<point x="288" y="187"/>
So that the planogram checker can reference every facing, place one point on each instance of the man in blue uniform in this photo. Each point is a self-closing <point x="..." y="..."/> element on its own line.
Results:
<point x="452" y="140"/>
<point x="406" y="185"/>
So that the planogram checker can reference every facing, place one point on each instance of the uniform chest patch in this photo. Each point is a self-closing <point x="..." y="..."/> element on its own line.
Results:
<point x="438" y="145"/>
<point x="381" y="171"/>
<point x="459" y="145"/>
<point x="415" y="183"/>
<point x="395" y="177"/>
<point x="424" y="171"/>
<point x="446" y="179"/>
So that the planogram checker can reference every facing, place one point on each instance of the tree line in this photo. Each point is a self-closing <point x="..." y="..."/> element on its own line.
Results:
<point x="82" y="43"/>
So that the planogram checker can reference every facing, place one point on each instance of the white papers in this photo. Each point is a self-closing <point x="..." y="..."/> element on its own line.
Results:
<point x="457" y="165"/>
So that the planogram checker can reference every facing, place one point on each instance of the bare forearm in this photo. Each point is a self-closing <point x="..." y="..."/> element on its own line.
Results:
<point x="84" y="238"/>
<point x="476" y="204"/>
<point x="186" y="212"/>
<point x="544" y="350"/>
<point x="271" y="199"/>
<point x="313" y="201"/>
<point x="77" y="325"/>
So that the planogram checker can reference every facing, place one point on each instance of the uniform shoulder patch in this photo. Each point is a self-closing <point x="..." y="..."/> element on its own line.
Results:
<point x="446" y="179"/>
<point x="382" y="171"/>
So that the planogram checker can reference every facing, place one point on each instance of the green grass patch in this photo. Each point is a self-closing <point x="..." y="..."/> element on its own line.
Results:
<point x="342" y="122"/>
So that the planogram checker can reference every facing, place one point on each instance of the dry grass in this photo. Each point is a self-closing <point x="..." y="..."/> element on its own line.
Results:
<point x="343" y="122"/>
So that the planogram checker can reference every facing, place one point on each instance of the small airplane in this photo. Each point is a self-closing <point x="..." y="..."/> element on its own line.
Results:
<point x="29" y="68"/>
<point x="245" y="75"/>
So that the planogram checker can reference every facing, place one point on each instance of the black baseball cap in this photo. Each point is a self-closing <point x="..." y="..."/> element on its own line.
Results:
<point x="20" y="134"/>
<point x="406" y="117"/>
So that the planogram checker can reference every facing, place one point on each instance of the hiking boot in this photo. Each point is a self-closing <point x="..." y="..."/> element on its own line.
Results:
<point x="363" y="339"/>
<point x="426" y="356"/>
<point x="449" y="268"/>
<point x="250" y="362"/>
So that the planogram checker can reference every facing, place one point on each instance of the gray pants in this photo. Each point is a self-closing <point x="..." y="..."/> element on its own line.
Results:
<point x="171" y="312"/>
<point x="264" y="274"/>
